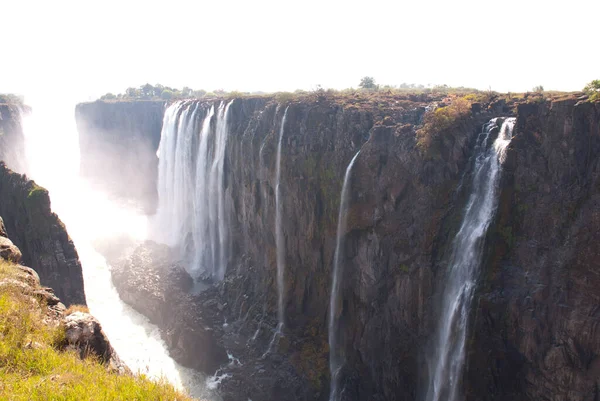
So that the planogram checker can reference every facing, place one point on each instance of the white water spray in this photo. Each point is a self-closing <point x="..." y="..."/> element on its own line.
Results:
<point x="52" y="149"/>
<point x="446" y="365"/>
<point x="336" y="361"/>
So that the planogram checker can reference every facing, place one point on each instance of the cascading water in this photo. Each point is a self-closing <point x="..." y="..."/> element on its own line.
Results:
<point x="279" y="240"/>
<point x="446" y="363"/>
<point x="90" y="216"/>
<point x="191" y="209"/>
<point x="335" y="358"/>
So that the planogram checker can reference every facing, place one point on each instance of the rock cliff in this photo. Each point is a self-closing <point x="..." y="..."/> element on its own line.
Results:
<point x="40" y="235"/>
<point x="533" y="327"/>
<point x="534" y="333"/>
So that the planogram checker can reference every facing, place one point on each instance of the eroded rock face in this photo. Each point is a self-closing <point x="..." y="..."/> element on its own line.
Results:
<point x="400" y="198"/>
<point x="533" y="321"/>
<point x="40" y="235"/>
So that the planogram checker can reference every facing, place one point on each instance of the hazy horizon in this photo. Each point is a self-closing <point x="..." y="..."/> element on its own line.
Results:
<point x="82" y="51"/>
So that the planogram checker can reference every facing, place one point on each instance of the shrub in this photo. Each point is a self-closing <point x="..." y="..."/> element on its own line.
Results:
<point x="593" y="90"/>
<point x="442" y="119"/>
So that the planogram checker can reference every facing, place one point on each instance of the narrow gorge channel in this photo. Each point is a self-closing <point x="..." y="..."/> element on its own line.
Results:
<point x="94" y="219"/>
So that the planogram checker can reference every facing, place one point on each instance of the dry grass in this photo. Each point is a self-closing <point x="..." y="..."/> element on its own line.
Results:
<point x="32" y="367"/>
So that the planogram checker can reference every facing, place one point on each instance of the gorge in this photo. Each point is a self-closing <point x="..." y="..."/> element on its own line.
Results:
<point x="318" y="248"/>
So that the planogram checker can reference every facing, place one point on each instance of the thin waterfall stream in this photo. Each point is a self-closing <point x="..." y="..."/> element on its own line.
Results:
<point x="446" y="363"/>
<point x="279" y="240"/>
<point x="336" y="361"/>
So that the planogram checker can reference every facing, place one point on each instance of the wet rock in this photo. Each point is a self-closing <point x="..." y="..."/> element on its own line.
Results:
<point x="153" y="282"/>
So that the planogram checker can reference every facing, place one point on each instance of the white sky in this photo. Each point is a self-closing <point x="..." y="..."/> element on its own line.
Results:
<point x="86" y="48"/>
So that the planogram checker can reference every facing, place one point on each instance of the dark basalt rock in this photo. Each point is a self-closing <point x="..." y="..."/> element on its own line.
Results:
<point x="152" y="282"/>
<point x="533" y="321"/>
<point x="534" y="330"/>
<point x="40" y="235"/>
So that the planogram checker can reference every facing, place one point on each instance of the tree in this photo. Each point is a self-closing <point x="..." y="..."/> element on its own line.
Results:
<point x="367" y="83"/>
<point x="166" y="94"/>
<point x="147" y="91"/>
<point x="538" y="89"/>
<point x="593" y="90"/>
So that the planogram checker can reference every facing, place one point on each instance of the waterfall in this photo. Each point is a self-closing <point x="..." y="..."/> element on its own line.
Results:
<point x="203" y="254"/>
<point x="335" y="359"/>
<point x="191" y="211"/>
<point x="92" y="217"/>
<point x="446" y="363"/>
<point x="279" y="240"/>
<point x="175" y="174"/>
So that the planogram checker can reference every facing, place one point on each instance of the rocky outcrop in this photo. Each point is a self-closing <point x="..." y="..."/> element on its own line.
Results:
<point x="83" y="333"/>
<point x="118" y="143"/>
<point x="8" y="250"/>
<point x="40" y="235"/>
<point x="152" y="282"/>
<point x="534" y="332"/>
<point x="12" y="141"/>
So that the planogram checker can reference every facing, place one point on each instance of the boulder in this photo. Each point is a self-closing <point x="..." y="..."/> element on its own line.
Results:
<point x="2" y="229"/>
<point x="84" y="334"/>
<point x="9" y="251"/>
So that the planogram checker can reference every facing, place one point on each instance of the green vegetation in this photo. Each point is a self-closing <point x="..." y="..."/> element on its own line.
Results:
<point x="538" y="89"/>
<point x="442" y="119"/>
<point x="368" y="83"/>
<point x="33" y="366"/>
<point x="159" y="92"/>
<point x="593" y="90"/>
<point x="36" y="192"/>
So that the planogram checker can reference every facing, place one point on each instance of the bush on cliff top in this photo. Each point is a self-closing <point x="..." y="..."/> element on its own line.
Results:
<point x="440" y="120"/>
<point x="33" y="368"/>
<point x="593" y="90"/>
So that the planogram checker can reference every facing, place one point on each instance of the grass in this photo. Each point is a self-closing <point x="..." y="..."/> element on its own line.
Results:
<point x="33" y="366"/>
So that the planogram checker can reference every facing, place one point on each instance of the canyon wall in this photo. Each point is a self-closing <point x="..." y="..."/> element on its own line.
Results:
<point x="40" y="235"/>
<point x="533" y="327"/>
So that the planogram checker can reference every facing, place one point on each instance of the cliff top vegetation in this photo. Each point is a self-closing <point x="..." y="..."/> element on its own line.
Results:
<point x="33" y="366"/>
